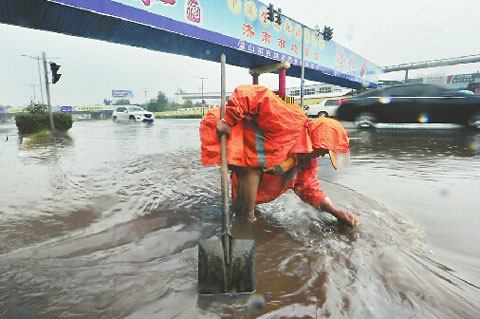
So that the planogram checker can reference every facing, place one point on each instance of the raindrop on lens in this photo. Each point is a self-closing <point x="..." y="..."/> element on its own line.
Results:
<point x="443" y="192"/>
<point x="474" y="146"/>
<point x="423" y="118"/>
<point x="385" y="100"/>
<point x="256" y="302"/>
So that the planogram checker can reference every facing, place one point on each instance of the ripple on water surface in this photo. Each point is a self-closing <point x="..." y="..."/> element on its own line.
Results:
<point x="119" y="240"/>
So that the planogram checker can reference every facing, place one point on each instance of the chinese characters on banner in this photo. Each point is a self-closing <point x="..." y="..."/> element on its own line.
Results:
<point x="244" y="25"/>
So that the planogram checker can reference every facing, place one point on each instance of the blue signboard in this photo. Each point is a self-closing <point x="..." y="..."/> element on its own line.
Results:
<point x="243" y="25"/>
<point x="122" y="93"/>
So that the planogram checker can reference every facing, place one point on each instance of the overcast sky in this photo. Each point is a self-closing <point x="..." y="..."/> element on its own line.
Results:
<point x="385" y="32"/>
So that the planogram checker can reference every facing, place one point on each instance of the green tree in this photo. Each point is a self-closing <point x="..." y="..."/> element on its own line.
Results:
<point x="172" y="105"/>
<point x="37" y="108"/>
<point x="162" y="100"/>
<point x="188" y="103"/>
<point x="158" y="104"/>
<point x="122" y="102"/>
<point x="107" y="102"/>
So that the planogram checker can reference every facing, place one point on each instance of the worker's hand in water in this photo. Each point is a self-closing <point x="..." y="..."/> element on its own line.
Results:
<point x="344" y="216"/>
<point x="347" y="217"/>
<point x="223" y="128"/>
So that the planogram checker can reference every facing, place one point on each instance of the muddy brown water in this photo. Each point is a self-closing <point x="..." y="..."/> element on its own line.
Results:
<point x="103" y="222"/>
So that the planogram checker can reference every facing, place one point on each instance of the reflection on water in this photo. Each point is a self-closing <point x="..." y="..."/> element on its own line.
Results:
<point x="417" y="143"/>
<point x="104" y="222"/>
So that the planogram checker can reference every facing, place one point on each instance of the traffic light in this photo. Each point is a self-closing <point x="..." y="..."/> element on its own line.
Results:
<point x="270" y="13"/>
<point x="278" y="19"/>
<point x="327" y="33"/>
<point x="55" y="75"/>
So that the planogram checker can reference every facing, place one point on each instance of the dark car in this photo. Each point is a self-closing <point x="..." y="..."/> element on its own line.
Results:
<point x="411" y="103"/>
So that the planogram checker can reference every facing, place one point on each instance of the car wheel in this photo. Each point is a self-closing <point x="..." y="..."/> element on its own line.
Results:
<point x="131" y="119"/>
<point x="114" y="119"/>
<point x="322" y="113"/>
<point x="366" y="120"/>
<point x="474" y="120"/>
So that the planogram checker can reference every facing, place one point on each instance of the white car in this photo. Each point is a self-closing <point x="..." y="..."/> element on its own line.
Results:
<point x="132" y="113"/>
<point x="324" y="108"/>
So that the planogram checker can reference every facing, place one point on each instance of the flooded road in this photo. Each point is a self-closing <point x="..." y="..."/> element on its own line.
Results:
<point x="103" y="222"/>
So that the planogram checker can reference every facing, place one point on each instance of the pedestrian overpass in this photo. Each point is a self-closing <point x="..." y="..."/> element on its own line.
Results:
<point x="203" y="29"/>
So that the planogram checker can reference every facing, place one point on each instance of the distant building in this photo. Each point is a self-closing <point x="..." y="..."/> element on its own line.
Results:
<point x="210" y="98"/>
<point x="313" y="93"/>
<point x="316" y="92"/>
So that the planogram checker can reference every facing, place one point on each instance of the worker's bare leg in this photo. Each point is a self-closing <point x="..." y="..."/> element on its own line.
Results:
<point x="249" y="179"/>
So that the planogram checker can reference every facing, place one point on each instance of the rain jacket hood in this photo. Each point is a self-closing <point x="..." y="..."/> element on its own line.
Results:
<point x="329" y="134"/>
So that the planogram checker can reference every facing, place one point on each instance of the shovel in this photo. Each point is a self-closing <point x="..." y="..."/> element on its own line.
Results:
<point x="225" y="265"/>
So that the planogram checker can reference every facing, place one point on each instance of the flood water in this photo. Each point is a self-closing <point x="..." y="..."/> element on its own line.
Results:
<point x="104" y="221"/>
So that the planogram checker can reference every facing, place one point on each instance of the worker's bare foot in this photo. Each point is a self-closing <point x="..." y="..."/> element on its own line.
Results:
<point x="347" y="217"/>
<point x="247" y="217"/>
<point x="240" y="213"/>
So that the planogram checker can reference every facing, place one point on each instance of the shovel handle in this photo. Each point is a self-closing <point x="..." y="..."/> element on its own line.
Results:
<point x="224" y="169"/>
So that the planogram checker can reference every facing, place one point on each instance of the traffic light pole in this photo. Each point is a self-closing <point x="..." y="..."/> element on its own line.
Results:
<point x="279" y="13"/>
<point x="47" y="89"/>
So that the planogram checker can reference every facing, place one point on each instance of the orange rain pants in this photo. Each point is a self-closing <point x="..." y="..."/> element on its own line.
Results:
<point x="302" y="179"/>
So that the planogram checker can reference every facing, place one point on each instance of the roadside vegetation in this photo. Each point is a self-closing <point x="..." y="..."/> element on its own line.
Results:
<point x="165" y="108"/>
<point x="37" y="120"/>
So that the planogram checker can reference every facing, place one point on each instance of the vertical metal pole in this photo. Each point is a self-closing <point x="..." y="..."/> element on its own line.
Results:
<point x="40" y="79"/>
<point x="33" y="88"/>
<point x="224" y="181"/>
<point x="47" y="89"/>
<point x="282" y="76"/>
<point x="303" y="67"/>
<point x="203" y="104"/>
<point x="406" y="76"/>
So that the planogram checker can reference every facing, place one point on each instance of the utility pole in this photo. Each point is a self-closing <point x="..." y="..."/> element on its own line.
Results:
<point x="203" y="101"/>
<point x="39" y="73"/>
<point x="33" y="88"/>
<point x="47" y="88"/>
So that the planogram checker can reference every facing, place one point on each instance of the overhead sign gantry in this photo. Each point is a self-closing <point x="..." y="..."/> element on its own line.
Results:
<point x="201" y="29"/>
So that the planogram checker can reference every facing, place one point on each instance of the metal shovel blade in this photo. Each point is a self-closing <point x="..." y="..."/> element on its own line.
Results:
<point x="215" y="276"/>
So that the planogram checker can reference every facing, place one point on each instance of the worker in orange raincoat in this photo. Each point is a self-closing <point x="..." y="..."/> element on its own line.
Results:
<point x="273" y="147"/>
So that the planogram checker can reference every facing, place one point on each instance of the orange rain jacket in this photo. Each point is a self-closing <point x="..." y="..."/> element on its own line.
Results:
<point x="265" y="133"/>
<point x="265" y="129"/>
